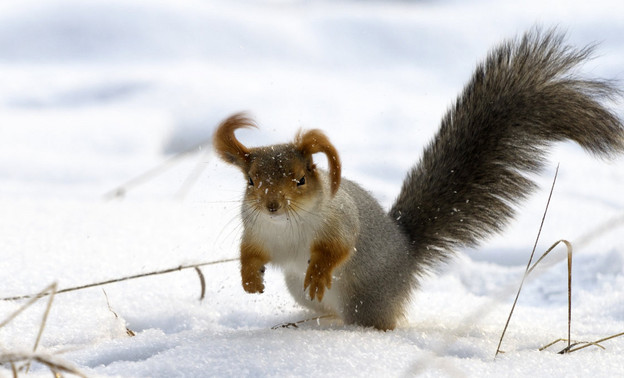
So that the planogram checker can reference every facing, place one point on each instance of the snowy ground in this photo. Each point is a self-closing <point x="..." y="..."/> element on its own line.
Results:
<point x="94" y="93"/>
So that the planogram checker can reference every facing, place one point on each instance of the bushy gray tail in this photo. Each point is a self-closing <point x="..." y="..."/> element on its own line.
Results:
<point x="519" y="101"/>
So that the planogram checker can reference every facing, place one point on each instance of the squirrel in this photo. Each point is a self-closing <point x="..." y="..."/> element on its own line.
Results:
<point x="343" y="254"/>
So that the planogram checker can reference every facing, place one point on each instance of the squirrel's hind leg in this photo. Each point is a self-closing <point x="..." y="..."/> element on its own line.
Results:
<point x="383" y="319"/>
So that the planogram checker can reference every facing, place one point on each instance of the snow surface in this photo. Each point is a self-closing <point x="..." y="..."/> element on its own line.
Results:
<point x="95" y="93"/>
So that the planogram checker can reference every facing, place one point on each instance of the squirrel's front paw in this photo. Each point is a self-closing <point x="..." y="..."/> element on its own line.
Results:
<point x="317" y="280"/>
<point x="253" y="281"/>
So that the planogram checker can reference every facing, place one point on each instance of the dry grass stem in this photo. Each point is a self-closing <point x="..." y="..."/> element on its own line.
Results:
<point x="527" y="272"/>
<point x="55" y="365"/>
<point x="552" y="188"/>
<point x="102" y="283"/>
<point x="129" y="332"/>
<point x="33" y="299"/>
<point x="569" y="250"/>
<point x="121" y="190"/>
<point x="192" y="177"/>
<point x="297" y="323"/>
<point x="551" y="344"/>
<point x="44" y="320"/>
<point x="202" y="282"/>
<point x="596" y="343"/>
<point x="572" y="346"/>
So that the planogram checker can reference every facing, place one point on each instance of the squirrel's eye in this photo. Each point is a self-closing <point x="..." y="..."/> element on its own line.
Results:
<point x="250" y="182"/>
<point x="301" y="181"/>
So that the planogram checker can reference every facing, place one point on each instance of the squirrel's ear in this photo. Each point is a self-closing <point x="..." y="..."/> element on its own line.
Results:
<point x="313" y="141"/>
<point x="226" y="144"/>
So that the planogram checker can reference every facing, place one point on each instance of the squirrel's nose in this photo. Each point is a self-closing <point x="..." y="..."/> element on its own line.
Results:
<point x="273" y="206"/>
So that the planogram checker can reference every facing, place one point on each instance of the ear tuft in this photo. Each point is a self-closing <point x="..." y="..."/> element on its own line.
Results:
<point x="226" y="144"/>
<point x="313" y="141"/>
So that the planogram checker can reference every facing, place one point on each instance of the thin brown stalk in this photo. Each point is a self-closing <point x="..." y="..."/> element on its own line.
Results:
<point x="551" y="344"/>
<point x="121" y="190"/>
<point x="297" y="323"/>
<point x="192" y="177"/>
<point x="44" y="320"/>
<point x="33" y="299"/>
<point x="596" y="343"/>
<point x="569" y="250"/>
<point x="202" y="282"/>
<point x="498" y="350"/>
<point x="129" y="332"/>
<point x="107" y="282"/>
<point x="569" y="246"/>
<point x="54" y="364"/>
<point x="13" y="358"/>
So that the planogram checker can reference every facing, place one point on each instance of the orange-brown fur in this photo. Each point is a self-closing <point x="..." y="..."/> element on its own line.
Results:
<point x="253" y="259"/>
<point x="314" y="141"/>
<point x="325" y="256"/>
<point x="228" y="147"/>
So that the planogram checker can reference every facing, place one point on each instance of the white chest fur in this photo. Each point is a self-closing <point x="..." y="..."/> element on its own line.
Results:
<point x="288" y="240"/>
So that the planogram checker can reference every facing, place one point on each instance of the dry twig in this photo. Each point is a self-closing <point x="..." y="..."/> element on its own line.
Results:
<point x="54" y="364"/>
<point x="297" y="323"/>
<point x="164" y="271"/>
<point x="498" y="350"/>
<point x="121" y="190"/>
<point x="129" y="332"/>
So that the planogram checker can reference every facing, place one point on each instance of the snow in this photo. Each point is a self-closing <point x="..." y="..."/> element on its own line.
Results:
<point x="92" y="94"/>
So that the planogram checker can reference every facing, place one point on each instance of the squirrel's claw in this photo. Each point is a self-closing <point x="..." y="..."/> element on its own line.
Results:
<point x="253" y="281"/>
<point x="317" y="282"/>
<point x="253" y="287"/>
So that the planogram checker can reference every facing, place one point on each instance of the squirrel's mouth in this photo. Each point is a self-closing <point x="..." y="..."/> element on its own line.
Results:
<point x="280" y="217"/>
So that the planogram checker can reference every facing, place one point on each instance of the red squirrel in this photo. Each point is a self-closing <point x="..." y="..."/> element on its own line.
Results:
<point x="342" y="253"/>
